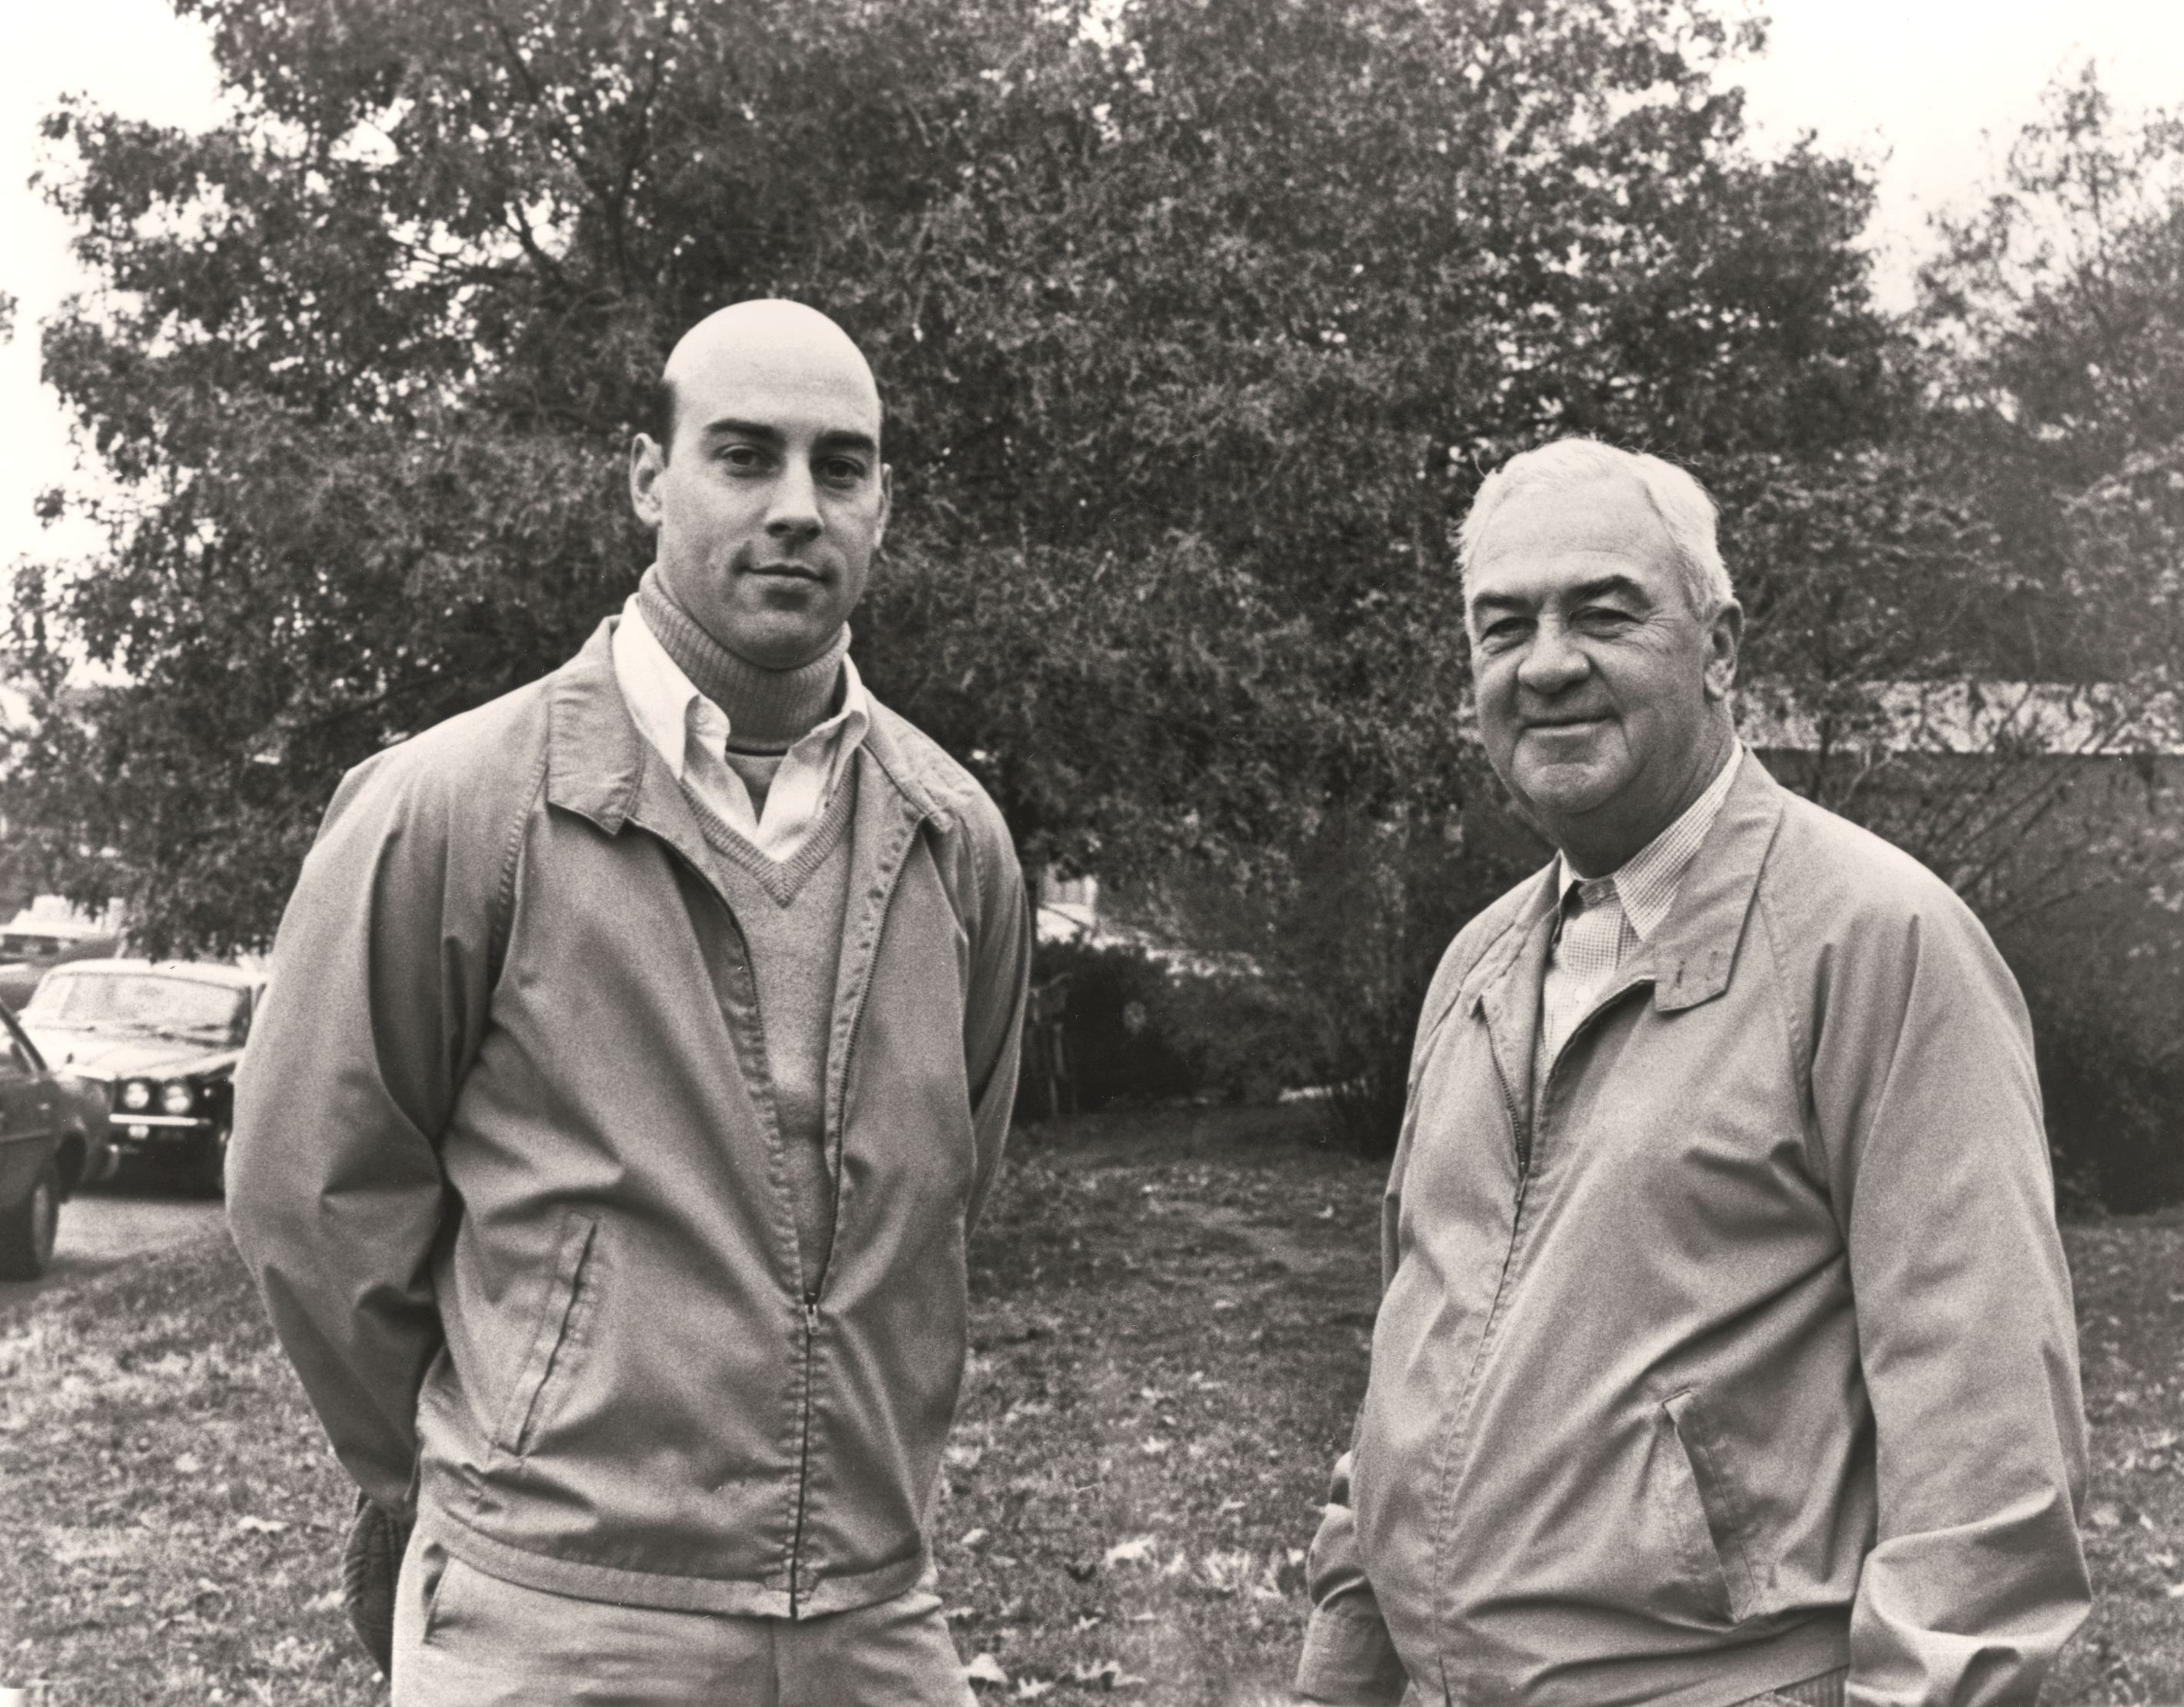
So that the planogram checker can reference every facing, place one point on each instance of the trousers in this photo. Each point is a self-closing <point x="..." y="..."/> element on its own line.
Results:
<point x="464" y="1639"/>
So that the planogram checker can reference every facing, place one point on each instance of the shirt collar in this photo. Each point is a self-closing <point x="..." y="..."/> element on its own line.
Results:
<point x="669" y="711"/>
<point x="1646" y="883"/>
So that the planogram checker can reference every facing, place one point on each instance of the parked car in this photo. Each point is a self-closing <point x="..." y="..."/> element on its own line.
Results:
<point x="45" y="935"/>
<point x="52" y="1137"/>
<point x="163" y="1036"/>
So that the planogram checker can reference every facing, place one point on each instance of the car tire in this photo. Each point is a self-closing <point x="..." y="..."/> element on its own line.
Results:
<point x="29" y="1228"/>
<point x="207" y="1167"/>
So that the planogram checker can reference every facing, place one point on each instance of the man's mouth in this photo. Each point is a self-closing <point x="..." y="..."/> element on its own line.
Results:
<point x="796" y="571"/>
<point x="1554" y="724"/>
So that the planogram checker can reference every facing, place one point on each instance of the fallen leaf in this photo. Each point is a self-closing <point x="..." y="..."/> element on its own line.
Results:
<point x="262" y="1525"/>
<point x="1135" y="1551"/>
<point x="1030" y="1689"/>
<point x="985" y="1669"/>
<point x="973" y="1538"/>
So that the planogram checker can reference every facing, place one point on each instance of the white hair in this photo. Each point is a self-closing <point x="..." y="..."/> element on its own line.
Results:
<point x="1686" y="513"/>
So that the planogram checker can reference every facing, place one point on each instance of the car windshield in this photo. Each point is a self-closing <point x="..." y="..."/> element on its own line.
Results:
<point x="142" y="1002"/>
<point x="16" y="945"/>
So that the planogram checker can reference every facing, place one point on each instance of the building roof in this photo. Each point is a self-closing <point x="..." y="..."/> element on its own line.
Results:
<point x="1967" y="717"/>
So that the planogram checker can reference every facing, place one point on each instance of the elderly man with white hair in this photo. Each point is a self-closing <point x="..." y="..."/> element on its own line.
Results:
<point x="1726" y="1352"/>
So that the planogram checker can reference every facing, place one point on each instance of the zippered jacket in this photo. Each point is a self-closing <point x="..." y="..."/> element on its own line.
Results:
<point x="1748" y="1351"/>
<point x="506" y="1169"/>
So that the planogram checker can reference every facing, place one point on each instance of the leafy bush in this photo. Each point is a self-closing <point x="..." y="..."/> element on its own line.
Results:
<point x="1241" y="1035"/>
<point x="2113" y="1083"/>
<point x="1119" y="1023"/>
<point x="1092" y="1039"/>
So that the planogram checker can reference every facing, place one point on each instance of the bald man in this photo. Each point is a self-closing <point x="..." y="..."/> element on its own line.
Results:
<point x="641" y="1052"/>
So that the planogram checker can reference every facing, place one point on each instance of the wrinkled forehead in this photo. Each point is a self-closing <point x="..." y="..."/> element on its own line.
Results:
<point x="1542" y="539"/>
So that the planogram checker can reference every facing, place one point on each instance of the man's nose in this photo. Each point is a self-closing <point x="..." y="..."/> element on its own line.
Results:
<point x="1551" y="663"/>
<point x="794" y="515"/>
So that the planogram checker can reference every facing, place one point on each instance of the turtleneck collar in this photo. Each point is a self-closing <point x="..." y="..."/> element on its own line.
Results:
<point x="767" y="710"/>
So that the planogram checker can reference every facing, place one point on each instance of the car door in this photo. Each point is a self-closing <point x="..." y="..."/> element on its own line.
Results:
<point x="28" y="1119"/>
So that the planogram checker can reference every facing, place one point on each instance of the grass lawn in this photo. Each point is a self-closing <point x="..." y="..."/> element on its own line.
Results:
<point x="1173" y="1313"/>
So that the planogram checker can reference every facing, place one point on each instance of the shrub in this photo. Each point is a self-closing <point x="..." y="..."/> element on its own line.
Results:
<point x="2113" y="1085"/>
<point x="1093" y="1038"/>
<point x="1119" y="1023"/>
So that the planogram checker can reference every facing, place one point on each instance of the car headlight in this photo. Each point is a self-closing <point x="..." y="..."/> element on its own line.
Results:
<point x="136" y="1094"/>
<point x="177" y="1096"/>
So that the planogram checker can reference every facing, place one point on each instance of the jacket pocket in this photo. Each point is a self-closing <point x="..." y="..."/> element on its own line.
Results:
<point x="553" y="1340"/>
<point x="1712" y="1539"/>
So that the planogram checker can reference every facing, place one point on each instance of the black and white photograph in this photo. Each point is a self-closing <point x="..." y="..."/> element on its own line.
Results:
<point x="1222" y="852"/>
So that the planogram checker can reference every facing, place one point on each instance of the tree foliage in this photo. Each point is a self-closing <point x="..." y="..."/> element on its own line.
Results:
<point x="2056" y="309"/>
<point x="1197" y="318"/>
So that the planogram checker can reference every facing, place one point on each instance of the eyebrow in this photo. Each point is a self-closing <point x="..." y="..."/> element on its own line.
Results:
<point x="836" y="438"/>
<point x="1574" y="595"/>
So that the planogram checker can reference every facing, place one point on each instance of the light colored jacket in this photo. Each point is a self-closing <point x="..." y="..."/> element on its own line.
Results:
<point x="506" y="1170"/>
<point x="1749" y="1351"/>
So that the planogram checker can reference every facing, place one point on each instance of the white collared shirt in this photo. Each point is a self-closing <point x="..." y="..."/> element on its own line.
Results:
<point x="1621" y="911"/>
<point x="690" y="732"/>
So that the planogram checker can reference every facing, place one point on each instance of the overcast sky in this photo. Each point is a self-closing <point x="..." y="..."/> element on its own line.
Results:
<point x="1925" y="89"/>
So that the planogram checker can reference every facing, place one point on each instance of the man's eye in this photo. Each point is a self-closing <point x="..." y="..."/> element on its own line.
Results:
<point x="841" y="471"/>
<point x="744" y="458"/>
<point x="1600" y="618"/>
<point x="1506" y="631"/>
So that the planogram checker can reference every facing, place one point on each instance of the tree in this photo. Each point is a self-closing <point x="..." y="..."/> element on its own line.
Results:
<point x="1197" y="320"/>
<point x="2056" y="313"/>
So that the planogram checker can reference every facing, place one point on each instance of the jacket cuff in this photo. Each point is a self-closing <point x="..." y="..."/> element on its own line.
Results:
<point x="1349" y="1658"/>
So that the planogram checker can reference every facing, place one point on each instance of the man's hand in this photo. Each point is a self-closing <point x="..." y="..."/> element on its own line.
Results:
<point x="371" y="1566"/>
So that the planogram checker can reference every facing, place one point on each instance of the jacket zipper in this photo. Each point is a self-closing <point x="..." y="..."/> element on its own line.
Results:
<point x="812" y="1296"/>
<point x="1520" y="1132"/>
<point x="803" y="1453"/>
<point x="1525" y="1134"/>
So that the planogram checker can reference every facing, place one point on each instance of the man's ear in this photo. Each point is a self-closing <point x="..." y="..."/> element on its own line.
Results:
<point x="647" y="462"/>
<point x="1724" y="634"/>
<point x="887" y="503"/>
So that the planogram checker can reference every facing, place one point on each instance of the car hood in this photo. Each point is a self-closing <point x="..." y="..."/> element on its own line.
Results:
<point x="127" y="1054"/>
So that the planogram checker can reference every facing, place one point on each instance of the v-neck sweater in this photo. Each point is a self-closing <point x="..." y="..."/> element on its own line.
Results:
<point x="791" y="914"/>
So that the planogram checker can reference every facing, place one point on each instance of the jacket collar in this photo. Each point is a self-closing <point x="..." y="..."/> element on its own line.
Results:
<point x="1691" y="956"/>
<point x="1506" y="987"/>
<point x="596" y="758"/>
<point x="1697" y="944"/>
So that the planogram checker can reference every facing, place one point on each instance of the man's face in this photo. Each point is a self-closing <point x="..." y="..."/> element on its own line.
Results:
<point x="1595" y="676"/>
<point x="772" y="499"/>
